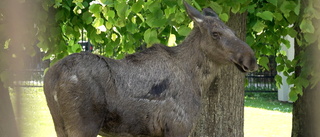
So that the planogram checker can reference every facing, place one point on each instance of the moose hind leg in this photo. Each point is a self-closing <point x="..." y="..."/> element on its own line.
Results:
<point x="87" y="127"/>
<point x="83" y="114"/>
<point x="57" y="119"/>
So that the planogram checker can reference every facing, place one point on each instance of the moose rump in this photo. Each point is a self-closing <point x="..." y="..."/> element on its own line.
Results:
<point x="76" y="94"/>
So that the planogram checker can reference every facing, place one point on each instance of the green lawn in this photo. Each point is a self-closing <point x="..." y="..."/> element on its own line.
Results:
<point x="35" y="116"/>
<point x="266" y="101"/>
<point x="264" y="115"/>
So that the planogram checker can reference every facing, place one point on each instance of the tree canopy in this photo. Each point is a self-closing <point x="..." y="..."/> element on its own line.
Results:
<point x="121" y="27"/>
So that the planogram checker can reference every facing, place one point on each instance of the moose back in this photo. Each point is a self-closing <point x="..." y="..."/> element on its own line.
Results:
<point x="156" y="92"/>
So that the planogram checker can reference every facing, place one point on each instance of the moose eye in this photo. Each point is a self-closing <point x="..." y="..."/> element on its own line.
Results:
<point x="215" y="35"/>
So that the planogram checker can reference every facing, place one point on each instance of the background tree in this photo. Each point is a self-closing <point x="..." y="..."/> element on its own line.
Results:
<point x="17" y="34"/>
<point x="306" y="115"/>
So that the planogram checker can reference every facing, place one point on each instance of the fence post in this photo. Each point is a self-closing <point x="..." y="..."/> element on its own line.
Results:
<point x="283" y="91"/>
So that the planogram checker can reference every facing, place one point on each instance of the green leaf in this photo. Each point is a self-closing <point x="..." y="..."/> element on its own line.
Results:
<point x="109" y="25"/>
<point x="114" y="37"/>
<point x="154" y="6"/>
<point x="132" y="28"/>
<point x="109" y="48"/>
<point x="292" y="18"/>
<point x="179" y="17"/>
<point x="252" y="8"/>
<point x="266" y="15"/>
<point x="98" y="22"/>
<point x="86" y="17"/>
<point x="43" y="45"/>
<point x="141" y="17"/>
<point x="137" y="6"/>
<point x="310" y="38"/>
<point x="150" y="37"/>
<point x="57" y="3"/>
<point x="280" y="68"/>
<point x="107" y="2"/>
<point x="217" y="8"/>
<point x="120" y="23"/>
<point x="184" y="30"/>
<point x="274" y="2"/>
<point x="224" y="17"/>
<point x="60" y="15"/>
<point x="76" y="48"/>
<point x="169" y="11"/>
<point x="156" y="19"/>
<point x="69" y="31"/>
<point x="290" y="79"/>
<point x="95" y="8"/>
<point x="306" y="26"/>
<point x="111" y="14"/>
<point x="264" y="61"/>
<point x="300" y="81"/>
<point x="235" y="8"/>
<point x="293" y="95"/>
<point x="278" y="80"/>
<point x="196" y="5"/>
<point x="170" y="3"/>
<point x="77" y="1"/>
<point x="121" y="9"/>
<point x="297" y="8"/>
<point x="278" y="16"/>
<point x="287" y="7"/>
<point x="80" y="5"/>
<point x="250" y="40"/>
<point x="291" y="32"/>
<point x="259" y="26"/>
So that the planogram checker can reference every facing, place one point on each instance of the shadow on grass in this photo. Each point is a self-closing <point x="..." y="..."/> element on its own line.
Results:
<point x="266" y="100"/>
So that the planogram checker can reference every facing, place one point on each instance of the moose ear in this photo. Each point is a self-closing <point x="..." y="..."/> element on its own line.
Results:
<point x="210" y="12"/>
<point x="193" y="13"/>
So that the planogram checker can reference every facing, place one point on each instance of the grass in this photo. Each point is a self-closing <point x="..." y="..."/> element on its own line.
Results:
<point x="266" y="100"/>
<point x="264" y="115"/>
<point x="35" y="119"/>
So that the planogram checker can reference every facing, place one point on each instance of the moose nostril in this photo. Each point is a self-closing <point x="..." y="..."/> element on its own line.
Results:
<point x="246" y="63"/>
<point x="245" y="68"/>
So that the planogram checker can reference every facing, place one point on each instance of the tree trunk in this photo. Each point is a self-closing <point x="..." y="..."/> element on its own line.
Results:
<point x="8" y="126"/>
<point x="222" y="112"/>
<point x="306" y="112"/>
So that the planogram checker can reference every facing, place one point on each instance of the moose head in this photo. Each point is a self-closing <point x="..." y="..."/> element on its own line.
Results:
<point x="219" y="42"/>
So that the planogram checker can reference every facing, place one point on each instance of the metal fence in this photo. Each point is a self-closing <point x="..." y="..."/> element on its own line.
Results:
<point x="34" y="72"/>
<point x="262" y="80"/>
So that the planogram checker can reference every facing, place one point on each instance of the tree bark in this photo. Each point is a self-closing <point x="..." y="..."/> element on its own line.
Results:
<point x="8" y="126"/>
<point x="306" y="113"/>
<point x="222" y="113"/>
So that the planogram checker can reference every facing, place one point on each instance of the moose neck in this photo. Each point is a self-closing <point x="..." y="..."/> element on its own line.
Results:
<point x="194" y="60"/>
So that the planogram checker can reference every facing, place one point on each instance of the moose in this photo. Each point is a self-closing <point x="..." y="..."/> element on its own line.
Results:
<point x="155" y="92"/>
